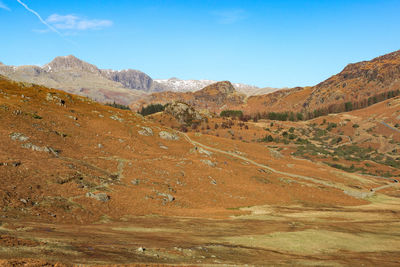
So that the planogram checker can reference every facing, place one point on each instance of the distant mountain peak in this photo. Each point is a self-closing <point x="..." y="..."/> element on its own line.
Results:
<point x="70" y="62"/>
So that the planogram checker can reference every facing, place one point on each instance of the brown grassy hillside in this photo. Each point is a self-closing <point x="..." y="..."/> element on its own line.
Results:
<point x="356" y="84"/>
<point x="84" y="183"/>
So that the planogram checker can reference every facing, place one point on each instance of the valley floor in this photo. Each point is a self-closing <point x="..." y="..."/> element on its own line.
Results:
<point x="269" y="235"/>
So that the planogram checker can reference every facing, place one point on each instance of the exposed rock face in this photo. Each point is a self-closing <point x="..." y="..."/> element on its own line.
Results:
<point x="184" y="113"/>
<point x="133" y="79"/>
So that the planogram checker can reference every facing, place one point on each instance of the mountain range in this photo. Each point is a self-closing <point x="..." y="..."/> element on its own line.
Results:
<point x="76" y="76"/>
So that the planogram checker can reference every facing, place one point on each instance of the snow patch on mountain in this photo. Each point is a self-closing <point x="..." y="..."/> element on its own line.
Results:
<point x="178" y="85"/>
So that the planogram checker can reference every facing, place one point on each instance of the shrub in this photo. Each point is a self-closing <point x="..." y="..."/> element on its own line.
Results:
<point x="151" y="109"/>
<point x="330" y="126"/>
<point x="299" y="116"/>
<point x="183" y="128"/>
<point x="348" y="106"/>
<point x="231" y="113"/>
<point x="120" y="106"/>
<point x="268" y="138"/>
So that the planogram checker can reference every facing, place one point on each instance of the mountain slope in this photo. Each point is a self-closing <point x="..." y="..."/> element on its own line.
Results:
<point x="356" y="83"/>
<point x="112" y="162"/>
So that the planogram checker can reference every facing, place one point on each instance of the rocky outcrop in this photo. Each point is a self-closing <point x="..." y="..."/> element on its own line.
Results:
<point x="146" y="131"/>
<point x="219" y="93"/>
<point x="103" y="197"/>
<point x="183" y="113"/>
<point x="214" y="98"/>
<point x="168" y="136"/>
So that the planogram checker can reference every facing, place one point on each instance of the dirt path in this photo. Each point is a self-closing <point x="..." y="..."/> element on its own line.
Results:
<point x="384" y="187"/>
<point x="311" y="179"/>
<point x="347" y="191"/>
<point x="388" y="126"/>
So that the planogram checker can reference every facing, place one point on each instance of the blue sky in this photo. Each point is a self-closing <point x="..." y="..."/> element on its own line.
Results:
<point x="265" y="43"/>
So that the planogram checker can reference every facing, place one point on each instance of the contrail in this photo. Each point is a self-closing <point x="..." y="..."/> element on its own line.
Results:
<point x="40" y="18"/>
<point x="44" y="22"/>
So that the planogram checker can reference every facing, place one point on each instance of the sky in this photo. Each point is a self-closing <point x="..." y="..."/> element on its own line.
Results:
<point x="265" y="43"/>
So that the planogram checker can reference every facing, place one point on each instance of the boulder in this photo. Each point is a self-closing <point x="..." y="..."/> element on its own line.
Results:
<point x="18" y="137"/>
<point x="208" y="162"/>
<point x="167" y="197"/>
<point x="168" y="136"/>
<point x="146" y="131"/>
<point x="103" y="197"/>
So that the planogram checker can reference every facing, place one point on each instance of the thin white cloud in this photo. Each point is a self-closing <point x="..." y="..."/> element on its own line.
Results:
<point x="3" y="6"/>
<point x="73" y="22"/>
<point x="229" y="16"/>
